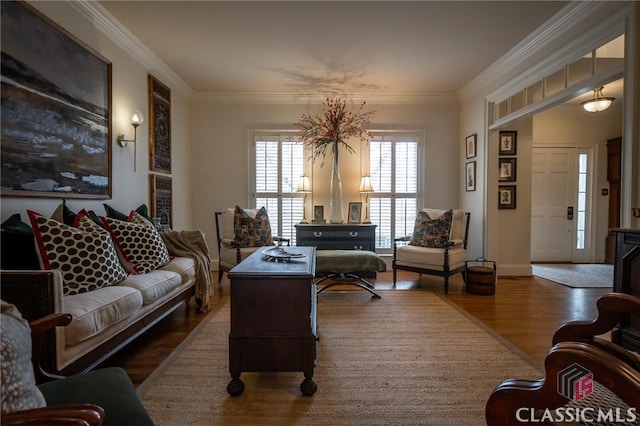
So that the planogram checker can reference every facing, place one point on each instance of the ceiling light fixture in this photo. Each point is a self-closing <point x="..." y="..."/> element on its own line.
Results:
<point x="598" y="102"/>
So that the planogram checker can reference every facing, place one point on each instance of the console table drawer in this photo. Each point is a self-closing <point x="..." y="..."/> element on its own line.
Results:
<point x="337" y="237"/>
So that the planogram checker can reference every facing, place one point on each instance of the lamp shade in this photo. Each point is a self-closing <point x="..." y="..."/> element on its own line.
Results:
<point x="136" y="118"/>
<point x="305" y="184"/>
<point x="365" y="184"/>
<point x="598" y="102"/>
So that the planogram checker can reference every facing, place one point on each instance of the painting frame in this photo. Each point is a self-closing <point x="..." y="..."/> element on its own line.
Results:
<point x="318" y="214"/>
<point x="471" y="143"/>
<point x="355" y="212"/>
<point x="507" y="169"/>
<point x="161" y="199"/>
<point x="159" y="126"/>
<point x="508" y="142"/>
<point x="470" y="176"/>
<point x="44" y="152"/>
<point x="506" y="197"/>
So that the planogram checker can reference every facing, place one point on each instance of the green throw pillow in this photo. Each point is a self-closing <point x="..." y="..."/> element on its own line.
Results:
<point x="18" y="247"/>
<point x="115" y="214"/>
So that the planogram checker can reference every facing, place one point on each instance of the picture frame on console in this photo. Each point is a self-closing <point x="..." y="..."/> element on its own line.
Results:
<point x="355" y="212"/>
<point x="318" y="214"/>
<point x="56" y="95"/>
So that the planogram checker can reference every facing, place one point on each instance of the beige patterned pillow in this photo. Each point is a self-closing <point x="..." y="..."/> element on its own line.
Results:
<point x="19" y="390"/>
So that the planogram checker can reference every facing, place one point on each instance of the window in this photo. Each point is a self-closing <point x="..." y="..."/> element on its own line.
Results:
<point x="279" y="163"/>
<point x="582" y="202"/>
<point x="393" y="165"/>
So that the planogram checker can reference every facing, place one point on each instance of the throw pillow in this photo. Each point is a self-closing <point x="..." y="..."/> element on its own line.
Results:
<point x="87" y="259"/>
<point x="18" y="250"/>
<point x="64" y="214"/>
<point x="434" y="233"/>
<point x="139" y="243"/>
<point x="115" y="214"/>
<point x="252" y="231"/>
<point x="19" y="390"/>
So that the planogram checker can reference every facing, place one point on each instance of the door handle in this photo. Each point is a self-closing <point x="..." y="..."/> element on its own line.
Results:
<point x="569" y="213"/>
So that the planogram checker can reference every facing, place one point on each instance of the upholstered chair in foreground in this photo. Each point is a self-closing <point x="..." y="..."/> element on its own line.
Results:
<point x="438" y="245"/>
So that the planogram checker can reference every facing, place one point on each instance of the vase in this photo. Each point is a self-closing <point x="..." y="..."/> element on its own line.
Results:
<point x="336" y="214"/>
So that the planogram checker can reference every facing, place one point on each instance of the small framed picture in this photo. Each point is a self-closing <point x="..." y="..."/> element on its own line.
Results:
<point x="470" y="176"/>
<point x="318" y="214"/>
<point x="507" y="197"/>
<point x="508" y="142"/>
<point x="507" y="169"/>
<point x="355" y="211"/>
<point x="471" y="142"/>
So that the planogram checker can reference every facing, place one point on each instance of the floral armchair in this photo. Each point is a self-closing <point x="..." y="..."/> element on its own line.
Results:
<point x="438" y="245"/>
<point x="240" y="232"/>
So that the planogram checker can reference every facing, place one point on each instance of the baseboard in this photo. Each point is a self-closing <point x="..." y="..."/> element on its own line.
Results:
<point x="514" y="270"/>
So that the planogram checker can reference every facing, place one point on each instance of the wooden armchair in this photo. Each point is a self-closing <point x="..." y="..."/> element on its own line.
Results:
<point x="444" y="260"/>
<point x="230" y="252"/>
<point x="100" y="397"/>
<point x="585" y="374"/>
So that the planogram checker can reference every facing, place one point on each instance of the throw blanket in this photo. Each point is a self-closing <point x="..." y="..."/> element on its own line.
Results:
<point x="192" y="244"/>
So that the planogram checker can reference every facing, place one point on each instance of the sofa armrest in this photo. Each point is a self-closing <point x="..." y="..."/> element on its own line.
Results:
<point x="38" y="329"/>
<point x="77" y="414"/>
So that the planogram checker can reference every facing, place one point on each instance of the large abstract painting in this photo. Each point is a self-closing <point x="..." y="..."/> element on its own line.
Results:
<point x="56" y="110"/>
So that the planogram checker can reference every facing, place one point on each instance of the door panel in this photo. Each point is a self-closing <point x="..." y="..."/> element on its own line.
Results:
<point x="553" y="191"/>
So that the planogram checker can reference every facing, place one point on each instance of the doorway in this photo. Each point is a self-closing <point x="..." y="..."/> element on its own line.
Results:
<point x="561" y="207"/>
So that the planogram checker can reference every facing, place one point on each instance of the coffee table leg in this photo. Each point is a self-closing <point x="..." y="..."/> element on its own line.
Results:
<point x="235" y="386"/>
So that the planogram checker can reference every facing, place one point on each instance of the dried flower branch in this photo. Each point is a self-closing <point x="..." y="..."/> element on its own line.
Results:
<point x="334" y="127"/>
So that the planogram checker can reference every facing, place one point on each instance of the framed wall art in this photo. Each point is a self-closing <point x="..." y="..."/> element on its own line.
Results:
<point x="471" y="145"/>
<point x="161" y="199"/>
<point x="56" y="110"/>
<point x="508" y="142"/>
<point x="470" y="176"/>
<point x="159" y="126"/>
<point x="507" y="169"/>
<point x="507" y="197"/>
<point x="355" y="212"/>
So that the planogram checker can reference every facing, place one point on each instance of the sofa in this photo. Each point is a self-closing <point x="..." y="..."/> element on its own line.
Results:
<point x="108" y="309"/>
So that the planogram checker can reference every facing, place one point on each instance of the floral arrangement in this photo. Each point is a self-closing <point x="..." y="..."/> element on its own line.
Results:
<point x="334" y="127"/>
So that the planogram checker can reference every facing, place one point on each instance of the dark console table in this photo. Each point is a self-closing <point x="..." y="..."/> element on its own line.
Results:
<point x="337" y="237"/>
<point x="273" y="317"/>
<point x="626" y="279"/>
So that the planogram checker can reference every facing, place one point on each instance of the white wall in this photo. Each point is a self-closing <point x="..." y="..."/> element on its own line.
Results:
<point x="221" y="152"/>
<point x="129" y="91"/>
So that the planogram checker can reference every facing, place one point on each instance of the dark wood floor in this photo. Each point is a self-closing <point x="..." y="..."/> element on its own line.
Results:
<point x="525" y="310"/>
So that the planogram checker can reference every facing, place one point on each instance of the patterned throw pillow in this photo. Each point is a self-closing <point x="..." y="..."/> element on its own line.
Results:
<point x="19" y="390"/>
<point x="87" y="259"/>
<point x="252" y="231"/>
<point x="434" y="233"/>
<point x="139" y="243"/>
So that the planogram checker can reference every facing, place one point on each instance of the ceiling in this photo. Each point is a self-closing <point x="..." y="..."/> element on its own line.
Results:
<point x="331" y="47"/>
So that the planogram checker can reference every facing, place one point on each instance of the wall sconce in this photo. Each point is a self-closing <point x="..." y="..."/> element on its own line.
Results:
<point x="136" y="118"/>
<point x="598" y="102"/>
<point x="366" y="188"/>
<point x="304" y="186"/>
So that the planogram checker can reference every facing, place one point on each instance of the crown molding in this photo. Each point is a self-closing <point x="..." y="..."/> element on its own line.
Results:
<point x="122" y="37"/>
<point x="508" y="72"/>
<point x="311" y="98"/>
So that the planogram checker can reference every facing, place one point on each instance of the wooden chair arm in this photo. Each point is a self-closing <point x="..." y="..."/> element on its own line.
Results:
<point x="77" y="414"/>
<point x="281" y="239"/>
<point x="611" y="310"/>
<point x="38" y="328"/>
<point x="405" y="238"/>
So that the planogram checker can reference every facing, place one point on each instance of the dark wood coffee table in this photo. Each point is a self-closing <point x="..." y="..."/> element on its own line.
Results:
<point x="273" y="318"/>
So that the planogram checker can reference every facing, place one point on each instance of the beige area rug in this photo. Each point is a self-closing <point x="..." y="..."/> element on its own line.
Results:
<point x="408" y="358"/>
<point x="576" y="275"/>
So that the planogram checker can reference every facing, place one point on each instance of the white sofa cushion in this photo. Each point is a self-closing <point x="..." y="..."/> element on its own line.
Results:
<point x="153" y="285"/>
<point x="432" y="258"/>
<point x="96" y="310"/>
<point x="184" y="266"/>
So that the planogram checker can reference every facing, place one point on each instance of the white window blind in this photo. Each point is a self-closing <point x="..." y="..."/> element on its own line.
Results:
<point x="279" y="163"/>
<point x="393" y="165"/>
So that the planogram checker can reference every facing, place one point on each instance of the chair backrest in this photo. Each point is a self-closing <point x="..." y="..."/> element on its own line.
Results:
<point x="459" y="223"/>
<point x="225" y="222"/>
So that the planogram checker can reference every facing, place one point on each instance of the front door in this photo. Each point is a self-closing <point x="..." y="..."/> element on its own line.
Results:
<point x="553" y="204"/>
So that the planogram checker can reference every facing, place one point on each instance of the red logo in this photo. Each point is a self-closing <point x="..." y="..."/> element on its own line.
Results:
<point x="575" y="382"/>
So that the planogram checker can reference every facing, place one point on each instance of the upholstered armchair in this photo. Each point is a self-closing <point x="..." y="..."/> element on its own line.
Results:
<point x="584" y="373"/>
<point x="240" y="232"/>
<point x="31" y="396"/>
<point x="438" y="245"/>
